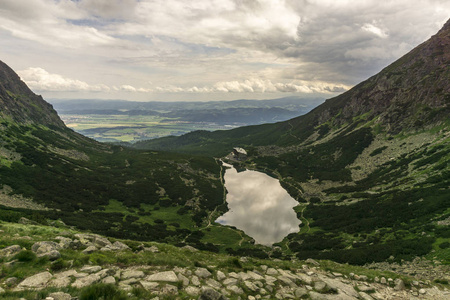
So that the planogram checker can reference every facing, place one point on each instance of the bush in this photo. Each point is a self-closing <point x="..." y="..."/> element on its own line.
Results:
<point x="25" y="256"/>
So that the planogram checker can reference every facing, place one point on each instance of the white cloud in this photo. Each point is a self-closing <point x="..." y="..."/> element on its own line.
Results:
<point x="212" y="46"/>
<point x="40" y="80"/>
<point x="375" y="30"/>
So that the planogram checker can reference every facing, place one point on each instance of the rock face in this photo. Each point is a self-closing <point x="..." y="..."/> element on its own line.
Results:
<point x="397" y="95"/>
<point x="19" y="103"/>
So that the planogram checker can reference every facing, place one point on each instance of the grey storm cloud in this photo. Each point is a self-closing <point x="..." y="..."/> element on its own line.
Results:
<point x="210" y="46"/>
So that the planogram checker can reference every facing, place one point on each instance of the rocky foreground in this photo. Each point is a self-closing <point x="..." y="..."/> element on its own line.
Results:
<point x="69" y="263"/>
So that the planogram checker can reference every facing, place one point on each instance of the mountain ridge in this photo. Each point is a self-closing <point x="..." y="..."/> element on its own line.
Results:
<point x="20" y="104"/>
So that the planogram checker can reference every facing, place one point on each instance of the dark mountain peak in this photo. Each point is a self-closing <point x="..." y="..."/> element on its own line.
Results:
<point x="20" y="104"/>
<point x="410" y="93"/>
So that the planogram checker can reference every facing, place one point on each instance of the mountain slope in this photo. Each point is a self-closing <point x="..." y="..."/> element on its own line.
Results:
<point x="411" y="93"/>
<point x="369" y="168"/>
<point x="112" y="190"/>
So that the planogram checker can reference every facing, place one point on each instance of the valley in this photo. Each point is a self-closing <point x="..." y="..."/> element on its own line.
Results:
<point x="368" y="173"/>
<point x="116" y="121"/>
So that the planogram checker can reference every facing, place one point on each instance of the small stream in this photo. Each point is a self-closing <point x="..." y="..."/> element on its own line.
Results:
<point x="259" y="206"/>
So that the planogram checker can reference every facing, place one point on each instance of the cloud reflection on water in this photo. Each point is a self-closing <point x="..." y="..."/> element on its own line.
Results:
<point x="259" y="206"/>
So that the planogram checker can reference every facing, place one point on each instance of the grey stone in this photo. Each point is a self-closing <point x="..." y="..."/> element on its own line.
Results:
<point x="345" y="290"/>
<point x="365" y="296"/>
<point x="312" y="262"/>
<point x="90" y="269"/>
<point x="109" y="280"/>
<point x="60" y="296"/>
<point x="286" y="281"/>
<point x="1" y="290"/>
<point x="300" y="292"/>
<point x="190" y="248"/>
<point x="89" y="249"/>
<point x="270" y="280"/>
<point x="183" y="279"/>
<point x="105" y="272"/>
<point x="422" y="291"/>
<point x="169" y="289"/>
<point x="363" y="277"/>
<point x="86" y="281"/>
<point x="195" y="281"/>
<point x="44" y="246"/>
<point x="60" y="282"/>
<point x="64" y="242"/>
<point x="210" y="294"/>
<point x="304" y="278"/>
<point x="132" y="274"/>
<point x="80" y="275"/>
<point x="235" y="289"/>
<point x="220" y="276"/>
<point x="251" y="286"/>
<point x="149" y="286"/>
<point x="213" y="283"/>
<point x="364" y="288"/>
<point x="320" y="286"/>
<point x="11" y="281"/>
<point x="192" y="291"/>
<point x="120" y="246"/>
<point x="152" y="249"/>
<point x="37" y="281"/>
<point x="230" y="281"/>
<point x="168" y="276"/>
<point x="10" y="250"/>
<point x="254" y="275"/>
<point x="383" y="280"/>
<point x="48" y="249"/>
<point x="399" y="285"/>
<point x="202" y="273"/>
<point x="65" y="274"/>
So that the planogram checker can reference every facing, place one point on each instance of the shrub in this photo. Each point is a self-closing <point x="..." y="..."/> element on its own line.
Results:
<point x="25" y="256"/>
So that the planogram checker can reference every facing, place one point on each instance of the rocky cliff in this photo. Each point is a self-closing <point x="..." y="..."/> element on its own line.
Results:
<point x="19" y="104"/>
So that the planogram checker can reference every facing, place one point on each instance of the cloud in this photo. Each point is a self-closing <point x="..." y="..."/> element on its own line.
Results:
<point x="213" y="46"/>
<point x="40" y="80"/>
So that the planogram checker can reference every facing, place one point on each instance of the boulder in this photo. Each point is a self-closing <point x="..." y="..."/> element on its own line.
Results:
<point x="11" y="281"/>
<point x="132" y="274"/>
<point x="109" y="280"/>
<point x="37" y="281"/>
<point x="90" y="249"/>
<point x="202" y="273"/>
<point x="90" y="269"/>
<point x="149" y="286"/>
<point x="10" y="250"/>
<point x="86" y="281"/>
<point x="399" y="285"/>
<point x="60" y="296"/>
<point x="168" y="276"/>
<point x="192" y="291"/>
<point x="210" y="294"/>
<point x="46" y="248"/>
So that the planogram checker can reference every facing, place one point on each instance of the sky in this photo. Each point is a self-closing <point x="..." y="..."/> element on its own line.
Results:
<point x="148" y="50"/>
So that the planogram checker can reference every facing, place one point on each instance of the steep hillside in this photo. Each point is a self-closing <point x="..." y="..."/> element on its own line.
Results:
<point x="48" y="171"/>
<point x="18" y="103"/>
<point x="370" y="168"/>
<point x="411" y="94"/>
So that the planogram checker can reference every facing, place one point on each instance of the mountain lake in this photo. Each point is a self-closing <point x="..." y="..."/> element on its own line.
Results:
<point x="259" y="206"/>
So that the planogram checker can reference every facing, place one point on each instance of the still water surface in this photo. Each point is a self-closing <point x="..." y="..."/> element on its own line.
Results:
<point x="259" y="206"/>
